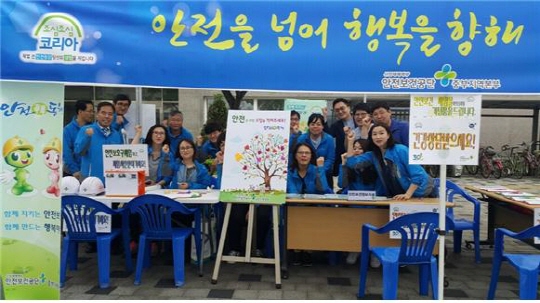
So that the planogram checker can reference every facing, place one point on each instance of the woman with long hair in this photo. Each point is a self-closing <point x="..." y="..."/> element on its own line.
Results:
<point x="400" y="180"/>
<point x="159" y="157"/>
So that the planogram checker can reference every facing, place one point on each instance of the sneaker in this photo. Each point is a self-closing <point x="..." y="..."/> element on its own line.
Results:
<point x="296" y="258"/>
<point x="233" y="253"/>
<point x="306" y="259"/>
<point x="374" y="262"/>
<point x="257" y="253"/>
<point x="351" y="258"/>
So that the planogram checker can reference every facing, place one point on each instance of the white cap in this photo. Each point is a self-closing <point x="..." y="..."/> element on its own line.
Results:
<point x="91" y="186"/>
<point x="70" y="185"/>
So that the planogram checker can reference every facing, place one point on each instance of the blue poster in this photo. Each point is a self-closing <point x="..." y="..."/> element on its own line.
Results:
<point x="485" y="47"/>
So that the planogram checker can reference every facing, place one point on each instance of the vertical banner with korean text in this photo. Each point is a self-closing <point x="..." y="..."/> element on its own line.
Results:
<point x="256" y="153"/>
<point x="30" y="175"/>
<point x="305" y="108"/>
<point x="444" y="129"/>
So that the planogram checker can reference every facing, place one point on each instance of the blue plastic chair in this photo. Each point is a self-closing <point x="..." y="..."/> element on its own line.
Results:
<point x="156" y="212"/>
<point x="78" y="214"/>
<point x="461" y="224"/>
<point x="528" y="265"/>
<point x="416" y="249"/>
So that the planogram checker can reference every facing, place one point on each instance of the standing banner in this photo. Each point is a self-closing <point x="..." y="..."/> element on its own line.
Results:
<point x="444" y="129"/>
<point x="305" y="108"/>
<point x="256" y="153"/>
<point x="30" y="172"/>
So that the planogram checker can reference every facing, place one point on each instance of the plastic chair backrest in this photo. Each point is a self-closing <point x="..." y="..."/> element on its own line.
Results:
<point x="418" y="236"/>
<point x="156" y="212"/>
<point x="525" y="234"/>
<point x="79" y="214"/>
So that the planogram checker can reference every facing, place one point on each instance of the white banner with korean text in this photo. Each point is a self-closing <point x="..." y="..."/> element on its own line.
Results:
<point x="444" y="129"/>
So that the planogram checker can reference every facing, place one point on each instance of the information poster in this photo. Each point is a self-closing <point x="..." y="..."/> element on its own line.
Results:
<point x="30" y="172"/>
<point x="256" y="153"/>
<point x="127" y="157"/>
<point x="444" y="129"/>
<point x="305" y="108"/>
<point x="399" y="209"/>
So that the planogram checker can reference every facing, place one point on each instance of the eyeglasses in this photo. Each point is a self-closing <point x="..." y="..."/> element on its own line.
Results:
<point x="303" y="153"/>
<point x="295" y="119"/>
<point x="159" y="133"/>
<point x="185" y="148"/>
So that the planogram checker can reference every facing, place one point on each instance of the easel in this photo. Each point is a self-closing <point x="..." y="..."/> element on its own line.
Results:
<point x="247" y="256"/>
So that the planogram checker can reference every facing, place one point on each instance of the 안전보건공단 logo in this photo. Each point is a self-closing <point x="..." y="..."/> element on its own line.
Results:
<point x="59" y="39"/>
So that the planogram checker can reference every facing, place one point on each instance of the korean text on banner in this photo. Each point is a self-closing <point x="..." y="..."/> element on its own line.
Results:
<point x="256" y="154"/>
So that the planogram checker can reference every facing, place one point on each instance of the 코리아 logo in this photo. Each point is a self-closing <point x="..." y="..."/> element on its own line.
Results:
<point x="59" y="39"/>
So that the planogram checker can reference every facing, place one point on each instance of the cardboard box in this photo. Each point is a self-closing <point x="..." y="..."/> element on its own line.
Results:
<point x="124" y="183"/>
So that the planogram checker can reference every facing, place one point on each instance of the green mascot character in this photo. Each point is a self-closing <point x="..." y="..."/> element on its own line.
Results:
<point x="17" y="152"/>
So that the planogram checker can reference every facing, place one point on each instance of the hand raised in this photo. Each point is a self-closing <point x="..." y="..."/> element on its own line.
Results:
<point x="320" y="161"/>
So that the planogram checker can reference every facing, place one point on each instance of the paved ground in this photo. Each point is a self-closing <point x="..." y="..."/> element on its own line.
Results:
<point x="467" y="280"/>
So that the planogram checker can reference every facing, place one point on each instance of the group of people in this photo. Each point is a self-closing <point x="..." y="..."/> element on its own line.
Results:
<point x="366" y="149"/>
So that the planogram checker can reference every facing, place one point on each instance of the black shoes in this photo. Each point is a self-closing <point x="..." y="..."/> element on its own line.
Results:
<point x="302" y="258"/>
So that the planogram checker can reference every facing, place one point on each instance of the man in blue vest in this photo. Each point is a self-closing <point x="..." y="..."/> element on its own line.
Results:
<point x="84" y="116"/>
<point x="91" y="139"/>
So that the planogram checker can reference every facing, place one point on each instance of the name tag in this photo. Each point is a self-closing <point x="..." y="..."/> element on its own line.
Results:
<point x="361" y="195"/>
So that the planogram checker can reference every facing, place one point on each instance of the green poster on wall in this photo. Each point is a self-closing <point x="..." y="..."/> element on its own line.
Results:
<point x="30" y="172"/>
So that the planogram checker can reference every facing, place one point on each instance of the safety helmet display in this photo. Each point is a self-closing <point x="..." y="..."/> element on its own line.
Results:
<point x="91" y="186"/>
<point x="70" y="185"/>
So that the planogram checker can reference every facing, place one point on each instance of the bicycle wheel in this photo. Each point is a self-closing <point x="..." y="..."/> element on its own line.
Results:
<point x="497" y="172"/>
<point x="486" y="168"/>
<point x="519" y="169"/>
<point x="471" y="169"/>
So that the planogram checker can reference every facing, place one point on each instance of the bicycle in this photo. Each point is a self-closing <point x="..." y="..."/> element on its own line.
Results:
<point x="512" y="163"/>
<point x="489" y="164"/>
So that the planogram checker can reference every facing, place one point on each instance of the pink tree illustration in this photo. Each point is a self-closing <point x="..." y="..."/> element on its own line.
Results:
<point x="265" y="157"/>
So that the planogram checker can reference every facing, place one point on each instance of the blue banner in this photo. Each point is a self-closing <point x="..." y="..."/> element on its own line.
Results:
<point x="349" y="46"/>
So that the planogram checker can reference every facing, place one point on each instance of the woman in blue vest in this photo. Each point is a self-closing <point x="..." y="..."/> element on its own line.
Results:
<point x="400" y="180"/>
<point x="159" y="157"/>
<point x="306" y="176"/>
<point x="322" y="143"/>
<point x="349" y="179"/>
<point x="188" y="173"/>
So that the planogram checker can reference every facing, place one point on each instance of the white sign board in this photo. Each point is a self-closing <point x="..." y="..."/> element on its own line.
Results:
<point x="444" y="129"/>
<point x="256" y="154"/>
<point x="399" y="209"/>
<point x="125" y="157"/>
<point x="536" y="222"/>
<point x="305" y="108"/>
<point x="361" y="195"/>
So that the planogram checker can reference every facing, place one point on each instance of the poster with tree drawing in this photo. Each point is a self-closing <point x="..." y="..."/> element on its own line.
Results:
<point x="256" y="154"/>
